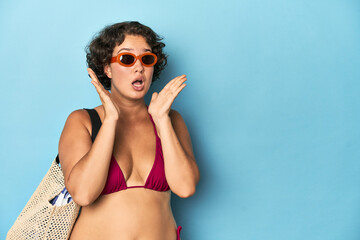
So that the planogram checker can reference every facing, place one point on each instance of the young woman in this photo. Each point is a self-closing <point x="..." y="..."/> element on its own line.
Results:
<point x="123" y="179"/>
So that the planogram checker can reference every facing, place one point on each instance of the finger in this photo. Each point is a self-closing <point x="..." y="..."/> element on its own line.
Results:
<point x="96" y="85"/>
<point x="169" y="84"/>
<point x="91" y="73"/>
<point x="103" y="93"/>
<point x="176" y="80"/>
<point x="99" y="91"/>
<point x="177" y="83"/>
<point x="96" y="80"/>
<point x="174" y="88"/>
<point x="174" y="84"/>
<point x="178" y="90"/>
<point x="93" y="76"/>
<point x="171" y="95"/>
<point x="154" y="96"/>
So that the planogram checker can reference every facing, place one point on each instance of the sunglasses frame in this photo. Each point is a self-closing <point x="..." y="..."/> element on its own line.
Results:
<point x="139" y="57"/>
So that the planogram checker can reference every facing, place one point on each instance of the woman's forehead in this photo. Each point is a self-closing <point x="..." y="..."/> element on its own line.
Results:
<point x="133" y="43"/>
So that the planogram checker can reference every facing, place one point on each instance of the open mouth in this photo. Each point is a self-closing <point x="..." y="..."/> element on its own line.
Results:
<point x="137" y="83"/>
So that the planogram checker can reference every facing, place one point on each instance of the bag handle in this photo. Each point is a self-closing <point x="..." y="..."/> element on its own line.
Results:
<point x="95" y="126"/>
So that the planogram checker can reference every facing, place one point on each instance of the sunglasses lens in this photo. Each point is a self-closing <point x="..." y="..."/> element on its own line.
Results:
<point x="127" y="59"/>
<point x="148" y="59"/>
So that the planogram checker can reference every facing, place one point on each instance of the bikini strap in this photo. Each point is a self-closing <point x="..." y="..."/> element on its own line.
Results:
<point x="95" y="122"/>
<point x="152" y="121"/>
<point x="95" y="126"/>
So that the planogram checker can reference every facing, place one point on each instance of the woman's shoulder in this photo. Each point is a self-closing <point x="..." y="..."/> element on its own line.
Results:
<point x="81" y="116"/>
<point x="175" y="115"/>
<point x="177" y="120"/>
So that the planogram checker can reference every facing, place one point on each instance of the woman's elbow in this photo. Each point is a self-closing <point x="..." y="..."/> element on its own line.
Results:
<point x="188" y="192"/>
<point x="188" y="189"/>
<point x="82" y="200"/>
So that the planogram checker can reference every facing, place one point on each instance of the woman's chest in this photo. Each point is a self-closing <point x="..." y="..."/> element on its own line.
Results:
<point x="135" y="151"/>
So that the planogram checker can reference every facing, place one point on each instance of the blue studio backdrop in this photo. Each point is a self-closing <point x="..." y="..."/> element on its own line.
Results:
<point x="271" y="104"/>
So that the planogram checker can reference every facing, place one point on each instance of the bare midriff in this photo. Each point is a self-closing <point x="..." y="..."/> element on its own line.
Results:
<point x="135" y="213"/>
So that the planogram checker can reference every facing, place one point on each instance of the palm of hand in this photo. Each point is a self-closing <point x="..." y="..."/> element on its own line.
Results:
<point x="111" y="109"/>
<point x="161" y="102"/>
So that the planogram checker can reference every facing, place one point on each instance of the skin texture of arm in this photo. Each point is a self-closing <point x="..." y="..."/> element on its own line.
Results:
<point x="181" y="170"/>
<point x="85" y="164"/>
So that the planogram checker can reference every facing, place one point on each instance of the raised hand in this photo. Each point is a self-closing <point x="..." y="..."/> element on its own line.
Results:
<point x="160" y="103"/>
<point x="111" y="109"/>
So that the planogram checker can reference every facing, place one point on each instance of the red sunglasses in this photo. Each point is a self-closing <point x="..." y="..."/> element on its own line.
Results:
<point x="127" y="59"/>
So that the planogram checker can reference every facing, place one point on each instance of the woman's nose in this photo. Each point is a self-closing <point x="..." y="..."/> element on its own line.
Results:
<point x="138" y="67"/>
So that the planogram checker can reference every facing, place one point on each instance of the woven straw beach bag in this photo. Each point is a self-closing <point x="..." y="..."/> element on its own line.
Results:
<point x="40" y="219"/>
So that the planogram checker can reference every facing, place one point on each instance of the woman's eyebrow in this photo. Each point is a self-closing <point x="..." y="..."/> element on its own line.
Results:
<point x="127" y="49"/>
<point x="131" y="49"/>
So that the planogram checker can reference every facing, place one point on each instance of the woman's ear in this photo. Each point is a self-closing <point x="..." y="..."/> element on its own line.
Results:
<point x="107" y="70"/>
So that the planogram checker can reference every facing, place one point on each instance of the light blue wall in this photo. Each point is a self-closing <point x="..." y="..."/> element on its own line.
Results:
<point x="272" y="105"/>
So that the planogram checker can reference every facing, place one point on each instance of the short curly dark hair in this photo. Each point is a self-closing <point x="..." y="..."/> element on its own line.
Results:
<point x="100" y="49"/>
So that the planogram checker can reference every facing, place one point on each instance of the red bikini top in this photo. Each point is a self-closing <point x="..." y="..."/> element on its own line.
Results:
<point x="115" y="182"/>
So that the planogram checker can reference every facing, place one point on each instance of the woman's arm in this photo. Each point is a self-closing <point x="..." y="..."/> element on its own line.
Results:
<point x="182" y="172"/>
<point x="85" y="164"/>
